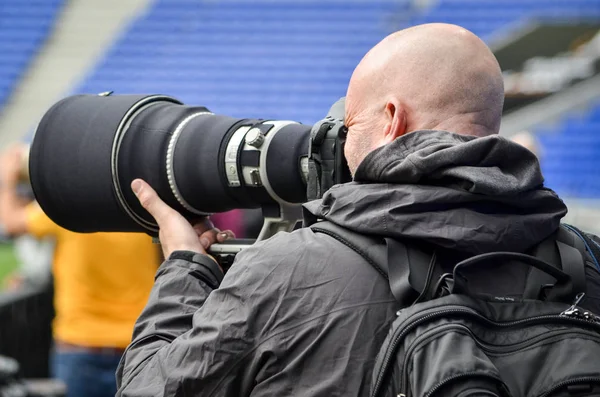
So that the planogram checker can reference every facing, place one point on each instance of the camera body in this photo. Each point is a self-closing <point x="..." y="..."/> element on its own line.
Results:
<point x="327" y="165"/>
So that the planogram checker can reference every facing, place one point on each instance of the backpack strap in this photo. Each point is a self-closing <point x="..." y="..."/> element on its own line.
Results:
<point x="370" y="248"/>
<point x="572" y="257"/>
<point x="591" y="246"/>
<point x="409" y="271"/>
<point x="536" y="280"/>
<point x="564" y="249"/>
<point x="572" y="263"/>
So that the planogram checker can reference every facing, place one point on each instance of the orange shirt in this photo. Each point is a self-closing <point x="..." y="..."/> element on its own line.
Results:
<point x="101" y="281"/>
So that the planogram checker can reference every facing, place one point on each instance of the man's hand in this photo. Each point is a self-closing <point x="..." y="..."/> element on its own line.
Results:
<point x="11" y="164"/>
<point x="176" y="233"/>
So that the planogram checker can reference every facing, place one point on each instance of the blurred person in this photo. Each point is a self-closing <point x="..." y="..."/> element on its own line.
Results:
<point x="301" y="314"/>
<point x="34" y="258"/>
<point x="101" y="283"/>
<point x="33" y="255"/>
<point x="583" y="214"/>
<point x="528" y="141"/>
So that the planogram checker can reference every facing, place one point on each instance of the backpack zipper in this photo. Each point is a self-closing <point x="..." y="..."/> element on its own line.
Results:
<point x="546" y="394"/>
<point x="565" y="316"/>
<point x="575" y="312"/>
<point x="570" y="382"/>
<point x="515" y="347"/>
<point x="454" y="377"/>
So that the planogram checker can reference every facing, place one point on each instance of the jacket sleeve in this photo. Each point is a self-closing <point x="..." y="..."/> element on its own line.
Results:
<point x="191" y="338"/>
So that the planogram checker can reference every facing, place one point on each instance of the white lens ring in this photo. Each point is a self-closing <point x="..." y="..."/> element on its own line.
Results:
<point x="262" y="169"/>
<point x="170" y="162"/>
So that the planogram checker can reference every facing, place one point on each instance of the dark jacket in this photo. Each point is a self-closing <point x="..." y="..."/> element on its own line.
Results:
<point x="302" y="315"/>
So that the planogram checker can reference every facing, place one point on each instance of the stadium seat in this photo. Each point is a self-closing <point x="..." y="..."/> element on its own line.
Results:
<point x="24" y="25"/>
<point x="292" y="60"/>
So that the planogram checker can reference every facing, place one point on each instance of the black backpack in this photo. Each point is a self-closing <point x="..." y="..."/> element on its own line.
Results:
<point x="496" y="324"/>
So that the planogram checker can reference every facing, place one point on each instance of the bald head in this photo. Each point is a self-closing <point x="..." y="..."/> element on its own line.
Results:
<point x="433" y="76"/>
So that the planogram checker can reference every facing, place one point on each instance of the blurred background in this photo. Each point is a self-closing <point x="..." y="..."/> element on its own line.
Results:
<point x="281" y="59"/>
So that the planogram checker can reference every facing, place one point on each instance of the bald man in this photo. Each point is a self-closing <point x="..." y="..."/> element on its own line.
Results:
<point x="303" y="315"/>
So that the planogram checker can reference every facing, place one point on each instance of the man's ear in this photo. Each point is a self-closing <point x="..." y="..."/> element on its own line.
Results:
<point x="395" y="120"/>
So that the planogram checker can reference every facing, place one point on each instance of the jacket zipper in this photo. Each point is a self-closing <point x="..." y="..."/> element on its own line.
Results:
<point x="591" y="379"/>
<point x="505" y="349"/>
<point x="402" y="331"/>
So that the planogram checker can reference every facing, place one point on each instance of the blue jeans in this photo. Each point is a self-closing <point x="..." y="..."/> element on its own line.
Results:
<point x="86" y="373"/>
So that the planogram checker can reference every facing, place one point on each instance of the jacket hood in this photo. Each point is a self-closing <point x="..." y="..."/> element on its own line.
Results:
<point x="460" y="192"/>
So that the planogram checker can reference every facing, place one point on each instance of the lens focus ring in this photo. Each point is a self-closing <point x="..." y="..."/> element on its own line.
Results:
<point x="171" y="161"/>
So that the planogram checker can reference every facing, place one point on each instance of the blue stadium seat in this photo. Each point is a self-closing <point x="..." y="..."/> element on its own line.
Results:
<point x="292" y="60"/>
<point x="259" y="59"/>
<point x="571" y="155"/>
<point x="24" y="25"/>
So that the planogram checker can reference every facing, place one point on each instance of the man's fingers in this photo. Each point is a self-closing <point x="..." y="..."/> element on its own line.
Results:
<point x="225" y="235"/>
<point x="213" y="236"/>
<point x="208" y="237"/>
<point x="202" y="225"/>
<point x="164" y="215"/>
<point x="150" y="201"/>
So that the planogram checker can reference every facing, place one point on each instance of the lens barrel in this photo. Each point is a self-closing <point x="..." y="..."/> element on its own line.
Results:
<point x="88" y="148"/>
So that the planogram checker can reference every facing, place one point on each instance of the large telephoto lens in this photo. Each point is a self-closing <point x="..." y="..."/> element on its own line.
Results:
<point x="88" y="149"/>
